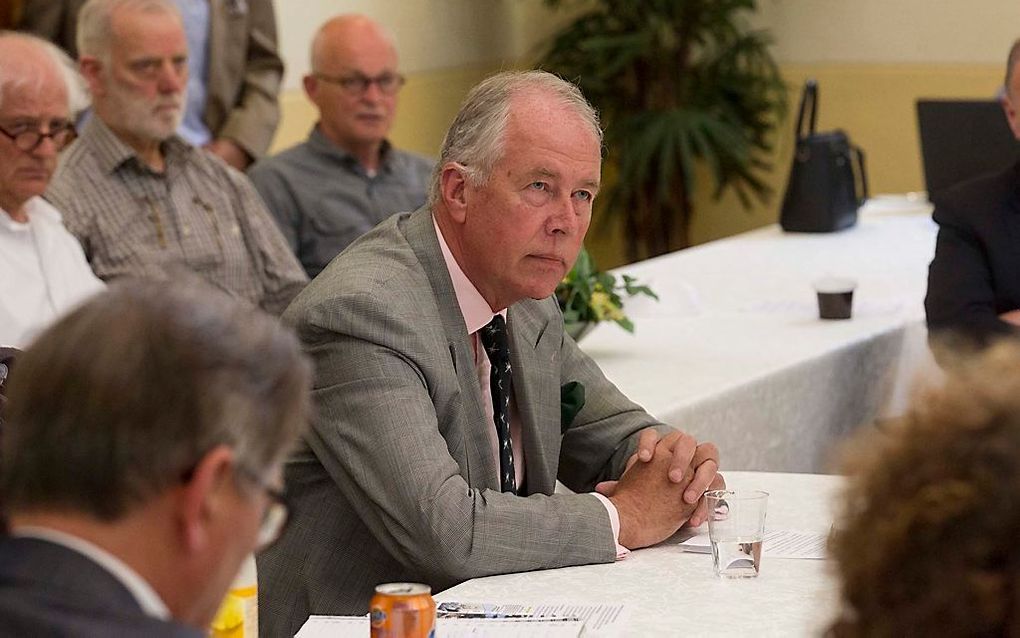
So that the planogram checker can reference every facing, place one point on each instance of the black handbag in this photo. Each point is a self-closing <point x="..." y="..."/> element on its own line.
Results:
<point x="827" y="180"/>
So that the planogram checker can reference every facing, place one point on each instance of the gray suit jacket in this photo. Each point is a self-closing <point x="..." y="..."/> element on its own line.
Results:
<point x="396" y="480"/>
<point x="245" y="68"/>
<point x="47" y="590"/>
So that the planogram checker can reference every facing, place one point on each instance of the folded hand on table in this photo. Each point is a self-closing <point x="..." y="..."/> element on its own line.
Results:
<point x="663" y="487"/>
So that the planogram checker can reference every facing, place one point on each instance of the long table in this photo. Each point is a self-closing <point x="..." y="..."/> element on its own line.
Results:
<point x="735" y="352"/>
<point x="668" y="592"/>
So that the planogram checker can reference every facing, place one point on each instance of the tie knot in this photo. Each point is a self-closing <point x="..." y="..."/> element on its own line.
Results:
<point x="493" y="336"/>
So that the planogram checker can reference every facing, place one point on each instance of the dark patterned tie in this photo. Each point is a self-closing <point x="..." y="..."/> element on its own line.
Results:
<point x="494" y="341"/>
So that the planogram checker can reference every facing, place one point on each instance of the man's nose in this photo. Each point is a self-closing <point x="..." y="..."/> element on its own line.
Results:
<point x="373" y="92"/>
<point x="564" y="219"/>
<point x="172" y="78"/>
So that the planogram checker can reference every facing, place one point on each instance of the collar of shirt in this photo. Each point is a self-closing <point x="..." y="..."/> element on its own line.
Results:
<point x="35" y="207"/>
<point x="150" y="602"/>
<point x="111" y="152"/>
<point x="323" y="145"/>
<point x="473" y="306"/>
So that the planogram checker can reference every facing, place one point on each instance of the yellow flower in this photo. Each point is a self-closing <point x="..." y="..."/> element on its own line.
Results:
<point x="604" y="308"/>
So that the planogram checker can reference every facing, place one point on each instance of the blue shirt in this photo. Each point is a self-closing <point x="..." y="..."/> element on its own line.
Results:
<point x="195" y="14"/>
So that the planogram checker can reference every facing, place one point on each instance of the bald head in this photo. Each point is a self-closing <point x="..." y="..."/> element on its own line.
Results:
<point x="345" y="38"/>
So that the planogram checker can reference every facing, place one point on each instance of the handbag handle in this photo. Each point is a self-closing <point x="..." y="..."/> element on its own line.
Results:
<point x="861" y="175"/>
<point x="808" y="109"/>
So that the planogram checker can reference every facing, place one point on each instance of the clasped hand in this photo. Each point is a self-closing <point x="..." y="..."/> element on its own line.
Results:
<point x="663" y="486"/>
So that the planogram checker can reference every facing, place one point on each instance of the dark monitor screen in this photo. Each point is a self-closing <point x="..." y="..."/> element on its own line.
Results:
<point x="961" y="139"/>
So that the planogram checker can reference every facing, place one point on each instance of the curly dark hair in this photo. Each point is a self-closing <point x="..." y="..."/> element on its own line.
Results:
<point x="925" y="545"/>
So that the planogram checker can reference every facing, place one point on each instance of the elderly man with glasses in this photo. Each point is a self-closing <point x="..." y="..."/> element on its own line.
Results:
<point x="142" y="458"/>
<point x="43" y="271"/>
<point x="346" y="178"/>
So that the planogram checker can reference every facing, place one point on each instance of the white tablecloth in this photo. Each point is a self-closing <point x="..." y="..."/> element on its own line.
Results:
<point x="735" y="352"/>
<point x="668" y="592"/>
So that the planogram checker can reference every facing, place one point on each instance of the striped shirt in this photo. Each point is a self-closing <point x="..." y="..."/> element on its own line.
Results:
<point x="197" y="219"/>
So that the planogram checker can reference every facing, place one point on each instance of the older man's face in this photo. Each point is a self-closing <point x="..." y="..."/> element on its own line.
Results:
<point x="350" y="117"/>
<point x="140" y="92"/>
<point x="38" y="104"/>
<point x="524" y="227"/>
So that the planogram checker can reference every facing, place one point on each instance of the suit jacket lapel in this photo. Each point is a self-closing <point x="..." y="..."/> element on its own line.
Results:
<point x="536" y="392"/>
<point x="421" y="236"/>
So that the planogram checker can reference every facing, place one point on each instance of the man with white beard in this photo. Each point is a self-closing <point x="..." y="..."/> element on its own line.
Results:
<point x="142" y="201"/>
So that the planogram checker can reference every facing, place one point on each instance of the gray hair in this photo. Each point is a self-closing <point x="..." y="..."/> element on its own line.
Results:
<point x="123" y="397"/>
<point x="475" y="139"/>
<point x="13" y="75"/>
<point x="95" y="22"/>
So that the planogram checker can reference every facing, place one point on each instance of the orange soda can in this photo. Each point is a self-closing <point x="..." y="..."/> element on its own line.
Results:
<point x="403" y="610"/>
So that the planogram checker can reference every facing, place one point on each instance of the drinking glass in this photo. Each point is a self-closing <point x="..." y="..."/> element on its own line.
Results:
<point x="736" y="526"/>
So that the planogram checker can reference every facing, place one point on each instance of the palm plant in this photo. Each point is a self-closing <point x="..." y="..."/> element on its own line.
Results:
<point x="679" y="84"/>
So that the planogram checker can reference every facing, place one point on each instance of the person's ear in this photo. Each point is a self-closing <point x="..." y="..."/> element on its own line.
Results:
<point x="202" y="496"/>
<point x="453" y="190"/>
<point x="311" y="86"/>
<point x="91" y="69"/>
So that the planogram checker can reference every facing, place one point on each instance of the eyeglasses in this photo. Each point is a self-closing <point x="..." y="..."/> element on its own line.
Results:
<point x="276" y="515"/>
<point x="357" y="83"/>
<point x="28" y="137"/>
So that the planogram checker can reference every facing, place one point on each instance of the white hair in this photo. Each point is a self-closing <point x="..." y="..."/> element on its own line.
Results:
<point x="14" y="75"/>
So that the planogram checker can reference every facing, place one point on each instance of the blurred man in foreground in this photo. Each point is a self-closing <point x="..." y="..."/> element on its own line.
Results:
<point x="141" y="461"/>
<point x="347" y="177"/>
<point x="441" y="368"/>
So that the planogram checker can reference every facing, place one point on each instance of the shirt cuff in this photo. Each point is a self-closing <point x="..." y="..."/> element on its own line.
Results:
<point x="614" y="519"/>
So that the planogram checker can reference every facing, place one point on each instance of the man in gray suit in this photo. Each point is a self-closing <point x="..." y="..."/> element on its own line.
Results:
<point x="142" y="442"/>
<point x="423" y="465"/>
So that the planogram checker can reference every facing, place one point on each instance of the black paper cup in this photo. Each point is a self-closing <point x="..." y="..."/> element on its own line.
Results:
<point x="835" y="297"/>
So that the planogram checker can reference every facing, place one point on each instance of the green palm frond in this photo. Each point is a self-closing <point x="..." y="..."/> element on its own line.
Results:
<point x="679" y="84"/>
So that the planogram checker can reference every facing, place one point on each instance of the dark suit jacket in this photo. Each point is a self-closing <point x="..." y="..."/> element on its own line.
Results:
<point x="397" y="480"/>
<point x="47" y="590"/>
<point x="975" y="275"/>
<point x="245" y="68"/>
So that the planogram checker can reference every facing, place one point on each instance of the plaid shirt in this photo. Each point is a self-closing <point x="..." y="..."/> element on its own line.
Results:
<point x="198" y="218"/>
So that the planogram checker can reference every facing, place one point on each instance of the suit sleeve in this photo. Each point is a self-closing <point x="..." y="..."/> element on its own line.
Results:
<point x="961" y="294"/>
<point x="604" y="433"/>
<point x="252" y="121"/>
<point x="379" y="437"/>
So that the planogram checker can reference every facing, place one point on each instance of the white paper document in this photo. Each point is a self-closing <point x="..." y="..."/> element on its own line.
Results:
<point x="775" y="544"/>
<point x="507" y="620"/>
